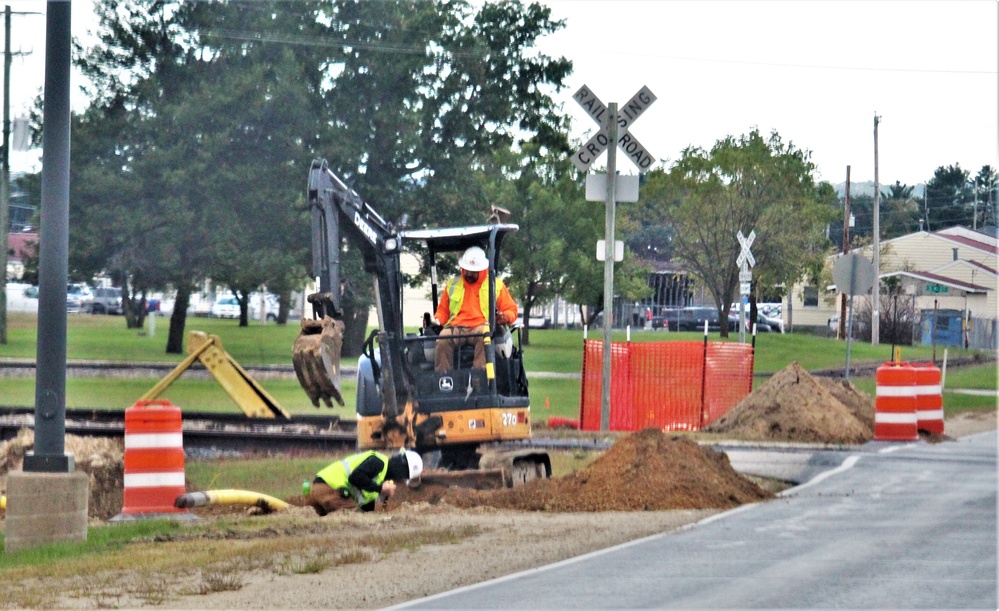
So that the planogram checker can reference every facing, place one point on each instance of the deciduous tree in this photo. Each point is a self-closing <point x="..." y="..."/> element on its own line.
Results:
<point x="749" y="183"/>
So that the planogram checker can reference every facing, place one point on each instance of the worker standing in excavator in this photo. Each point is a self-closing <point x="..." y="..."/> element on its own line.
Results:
<point x="359" y="480"/>
<point x="463" y="310"/>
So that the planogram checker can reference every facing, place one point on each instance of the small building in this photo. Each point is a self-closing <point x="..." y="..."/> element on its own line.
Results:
<point x="952" y="269"/>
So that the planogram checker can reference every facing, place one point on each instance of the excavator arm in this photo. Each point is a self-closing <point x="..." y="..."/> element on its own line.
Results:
<point x="336" y="209"/>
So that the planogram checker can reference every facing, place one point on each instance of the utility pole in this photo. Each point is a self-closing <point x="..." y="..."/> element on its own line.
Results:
<point x="5" y="171"/>
<point x="876" y="290"/>
<point x="846" y="250"/>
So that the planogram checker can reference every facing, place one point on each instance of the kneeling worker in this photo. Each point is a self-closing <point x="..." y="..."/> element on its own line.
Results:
<point x="360" y="479"/>
<point x="463" y="309"/>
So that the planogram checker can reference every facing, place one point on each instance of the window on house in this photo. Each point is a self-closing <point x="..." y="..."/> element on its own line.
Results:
<point x="811" y="297"/>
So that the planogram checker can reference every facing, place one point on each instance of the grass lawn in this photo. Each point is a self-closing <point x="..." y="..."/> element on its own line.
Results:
<point x="106" y="338"/>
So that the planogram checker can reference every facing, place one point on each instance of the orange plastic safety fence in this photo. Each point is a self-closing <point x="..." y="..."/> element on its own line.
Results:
<point x="662" y="384"/>
<point x="729" y="378"/>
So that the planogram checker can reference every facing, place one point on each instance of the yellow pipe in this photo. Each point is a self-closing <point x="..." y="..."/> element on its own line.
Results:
<point x="3" y="503"/>
<point x="230" y="497"/>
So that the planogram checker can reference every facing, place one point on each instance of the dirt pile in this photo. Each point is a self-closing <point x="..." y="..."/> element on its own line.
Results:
<point x="645" y="471"/>
<point x="100" y="458"/>
<point x="794" y="406"/>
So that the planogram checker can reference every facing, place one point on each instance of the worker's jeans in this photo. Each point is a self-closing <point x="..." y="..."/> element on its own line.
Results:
<point x="445" y="346"/>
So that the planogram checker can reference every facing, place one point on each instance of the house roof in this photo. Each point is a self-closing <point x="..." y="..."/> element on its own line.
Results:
<point x="966" y="241"/>
<point x="22" y="244"/>
<point x="966" y="262"/>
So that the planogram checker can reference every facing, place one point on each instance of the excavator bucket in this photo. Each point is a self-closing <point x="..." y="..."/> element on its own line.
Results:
<point x="316" y="356"/>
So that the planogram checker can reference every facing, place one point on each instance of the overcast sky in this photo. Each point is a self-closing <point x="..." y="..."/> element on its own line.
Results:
<point x="816" y="72"/>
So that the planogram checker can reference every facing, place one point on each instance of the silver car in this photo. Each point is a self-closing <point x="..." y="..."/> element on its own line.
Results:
<point x="79" y="298"/>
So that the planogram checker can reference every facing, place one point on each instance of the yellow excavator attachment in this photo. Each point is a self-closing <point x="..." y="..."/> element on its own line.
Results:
<point x="316" y="356"/>
<point x="237" y="382"/>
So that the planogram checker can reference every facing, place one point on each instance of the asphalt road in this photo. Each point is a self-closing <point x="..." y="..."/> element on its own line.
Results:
<point x="893" y="526"/>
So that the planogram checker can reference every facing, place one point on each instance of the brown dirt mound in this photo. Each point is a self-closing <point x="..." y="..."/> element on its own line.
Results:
<point x="644" y="471"/>
<point x="860" y="404"/>
<point x="794" y="406"/>
<point x="102" y="459"/>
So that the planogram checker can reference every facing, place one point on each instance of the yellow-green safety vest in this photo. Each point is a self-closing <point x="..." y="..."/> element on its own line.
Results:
<point x="337" y="475"/>
<point x="456" y="295"/>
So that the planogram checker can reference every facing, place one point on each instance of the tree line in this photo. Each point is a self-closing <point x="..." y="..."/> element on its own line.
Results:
<point x="191" y="159"/>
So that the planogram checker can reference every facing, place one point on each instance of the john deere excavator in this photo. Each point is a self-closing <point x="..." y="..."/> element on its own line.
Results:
<point x="459" y="420"/>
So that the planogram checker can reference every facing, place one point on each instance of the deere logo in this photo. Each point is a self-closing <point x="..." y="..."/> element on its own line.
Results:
<point x="446" y="384"/>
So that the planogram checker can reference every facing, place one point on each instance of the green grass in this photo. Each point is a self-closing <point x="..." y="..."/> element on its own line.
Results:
<point x="984" y="377"/>
<point x="562" y="351"/>
<point x="100" y="540"/>
<point x="191" y="395"/>
<point x="278" y="478"/>
<point x="106" y="338"/>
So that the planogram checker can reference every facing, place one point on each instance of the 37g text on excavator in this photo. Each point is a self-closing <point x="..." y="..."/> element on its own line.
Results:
<point x="465" y="419"/>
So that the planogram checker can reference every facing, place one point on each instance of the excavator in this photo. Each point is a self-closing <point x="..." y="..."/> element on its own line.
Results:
<point x="465" y="421"/>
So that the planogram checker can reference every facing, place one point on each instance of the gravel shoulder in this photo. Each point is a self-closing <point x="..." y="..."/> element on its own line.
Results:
<point x="509" y="542"/>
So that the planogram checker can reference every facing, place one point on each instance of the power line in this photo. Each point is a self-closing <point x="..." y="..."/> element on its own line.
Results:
<point x="803" y="66"/>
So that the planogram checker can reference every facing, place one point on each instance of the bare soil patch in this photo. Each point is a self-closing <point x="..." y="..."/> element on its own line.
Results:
<point x="645" y="471"/>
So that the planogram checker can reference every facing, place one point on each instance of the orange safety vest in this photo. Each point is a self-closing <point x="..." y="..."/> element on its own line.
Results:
<point x="456" y="295"/>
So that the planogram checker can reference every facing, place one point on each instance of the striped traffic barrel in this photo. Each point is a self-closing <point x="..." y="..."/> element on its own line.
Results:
<point x="895" y="403"/>
<point x="929" y="399"/>
<point x="154" y="460"/>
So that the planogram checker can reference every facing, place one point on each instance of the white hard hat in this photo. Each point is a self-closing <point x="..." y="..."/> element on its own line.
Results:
<point x="474" y="259"/>
<point x="415" y="464"/>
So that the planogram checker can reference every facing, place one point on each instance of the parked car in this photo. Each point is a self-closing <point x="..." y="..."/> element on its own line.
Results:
<point x="539" y="322"/>
<point x="689" y="319"/>
<point x="78" y="298"/>
<point x="775" y="321"/>
<point x="270" y="306"/>
<point x="225" y="307"/>
<point x="762" y="326"/>
<point x="107" y="300"/>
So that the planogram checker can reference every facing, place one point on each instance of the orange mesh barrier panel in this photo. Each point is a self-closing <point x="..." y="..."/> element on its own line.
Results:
<point x="666" y="385"/>
<point x="730" y="378"/>
<point x="661" y="384"/>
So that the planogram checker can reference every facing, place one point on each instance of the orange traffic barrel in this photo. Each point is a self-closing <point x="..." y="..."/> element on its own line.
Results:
<point x="929" y="399"/>
<point x="154" y="461"/>
<point x="895" y="403"/>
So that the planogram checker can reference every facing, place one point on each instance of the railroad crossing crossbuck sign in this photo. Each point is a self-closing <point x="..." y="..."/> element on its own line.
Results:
<point x="626" y="115"/>
<point x="745" y="260"/>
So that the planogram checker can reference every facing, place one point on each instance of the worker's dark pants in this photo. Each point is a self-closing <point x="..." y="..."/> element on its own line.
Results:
<point x="325" y="499"/>
<point x="445" y="346"/>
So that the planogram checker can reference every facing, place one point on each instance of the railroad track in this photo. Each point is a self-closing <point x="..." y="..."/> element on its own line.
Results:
<point x="210" y="434"/>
